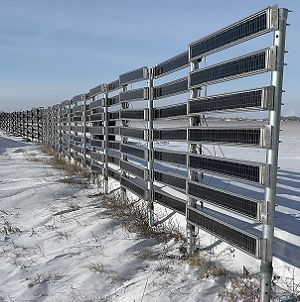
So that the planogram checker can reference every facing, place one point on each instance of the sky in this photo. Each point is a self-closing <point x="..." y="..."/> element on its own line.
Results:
<point x="53" y="50"/>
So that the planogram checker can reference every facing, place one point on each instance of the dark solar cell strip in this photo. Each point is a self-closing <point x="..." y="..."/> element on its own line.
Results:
<point x="250" y="99"/>
<point x="224" y="199"/>
<point x="135" y="188"/>
<point x="176" y="87"/>
<point x="96" y="90"/>
<point x="132" y="114"/>
<point x="170" y="202"/>
<point x="132" y="76"/>
<point x="171" y="65"/>
<point x="170" y="180"/>
<point x="170" y="134"/>
<point x="133" y="151"/>
<point x="225" y="232"/>
<point x="132" y="95"/>
<point x="95" y="104"/>
<point x="135" y="133"/>
<point x="226" y="136"/>
<point x="171" y="111"/>
<point x="170" y="157"/>
<point x="223" y="71"/>
<point x="240" y="170"/>
<point x="230" y="35"/>
<point x="138" y="171"/>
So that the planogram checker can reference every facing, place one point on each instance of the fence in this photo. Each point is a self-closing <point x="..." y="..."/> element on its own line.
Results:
<point x="120" y="133"/>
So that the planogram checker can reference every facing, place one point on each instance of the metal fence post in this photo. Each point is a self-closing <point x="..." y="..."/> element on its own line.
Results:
<point x="124" y="140"/>
<point x="266" y="268"/>
<point x="105" y="147"/>
<point x="83" y="97"/>
<point x="150" y="205"/>
<point x="192" y="175"/>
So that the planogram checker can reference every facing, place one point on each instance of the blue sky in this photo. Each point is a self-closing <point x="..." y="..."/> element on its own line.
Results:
<point x="55" y="49"/>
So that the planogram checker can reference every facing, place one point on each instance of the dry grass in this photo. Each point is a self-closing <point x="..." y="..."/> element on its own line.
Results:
<point x="244" y="287"/>
<point x="42" y="278"/>
<point x="75" y="174"/>
<point x="207" y="268"/>
<point x="134" y="218"/>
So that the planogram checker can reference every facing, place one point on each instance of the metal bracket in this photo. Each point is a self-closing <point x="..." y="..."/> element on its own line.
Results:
<point x="146" y="135"/>
<point x="263" y="215"/>
<point x="268" y="99"/>
<point x="146" y="114"/>
<point x="266" y="137"/>
<point x="272" y="58"/>
<point x="265" y="175"/>
<point x="274" y="17"/>
<point x="146" y="93"/>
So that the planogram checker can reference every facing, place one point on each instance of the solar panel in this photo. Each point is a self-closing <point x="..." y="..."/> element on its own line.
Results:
<point x="97" y="130"/>
<point x="247" y="65"/>
<point x="96" y="143"/>
<point x="133" y="169"/>
<point x="134" y="76"/>
<point x="170" y="134"/>
<point x="238" y="238"/>
<point x="170" y="111"/>
<point x="171" y="202"/>
<point x="133" y="151"/>
<point x="172" y="88"/>
<point x="243" y="30"/>
<point x="236" y="136"/>
<point x="170" y="157"/>
<point x="134" y="187"/>
<point x="96" y="90"/>
<point x="169" y="179"/>
<point x="256" y="99"/>
<point x="98" y="103"/>
<point x="77" y="108"/>
<point x="132" y="114"/>
<point x="244" y="171"/>
<point x="75" y="99"/>
<point x="133" y="95"/>
<point x="171" y="65"/>
<point x="97" y="117"/>
<point x="241" y="204"/>
<point x="113" y="85"/>
<point x="129" y="132"/>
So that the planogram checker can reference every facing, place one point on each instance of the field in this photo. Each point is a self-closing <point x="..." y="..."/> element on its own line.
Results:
<point x="61" y="239"/>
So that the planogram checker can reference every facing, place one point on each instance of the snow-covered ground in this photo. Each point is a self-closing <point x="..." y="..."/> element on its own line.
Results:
<point x="58" y="244"/>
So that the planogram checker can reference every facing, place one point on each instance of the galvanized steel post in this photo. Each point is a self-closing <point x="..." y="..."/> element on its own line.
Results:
<point x="83" y="96"/>
<point x="150" y="205"/>
<point x="105" y="170"/>
<point x="192" y="175"/>
<point x="266" y="268"/>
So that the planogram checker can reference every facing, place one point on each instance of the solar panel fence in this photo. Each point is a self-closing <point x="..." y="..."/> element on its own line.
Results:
<point x="151" y="137"/>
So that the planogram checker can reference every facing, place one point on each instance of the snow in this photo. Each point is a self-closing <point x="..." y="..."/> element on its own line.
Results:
<point x="58" y="244"/>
